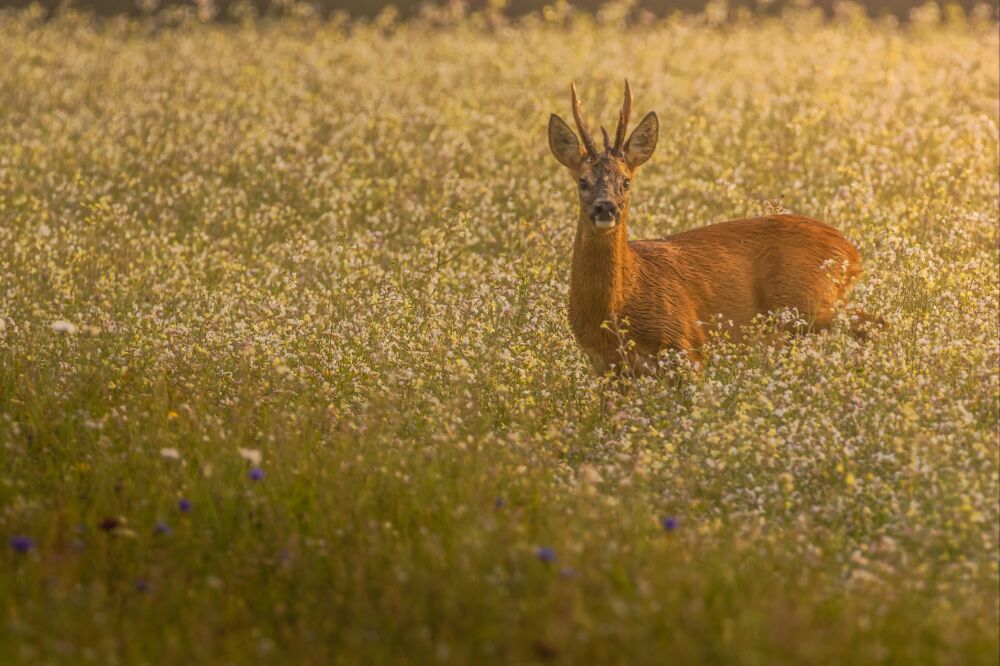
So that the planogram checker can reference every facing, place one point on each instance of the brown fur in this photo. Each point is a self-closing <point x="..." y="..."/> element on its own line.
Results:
<point x="737" y="269"/>
<point x="653" y="294"/>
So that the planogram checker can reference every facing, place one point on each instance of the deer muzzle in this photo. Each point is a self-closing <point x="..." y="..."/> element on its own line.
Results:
<point x="604" y="215"/>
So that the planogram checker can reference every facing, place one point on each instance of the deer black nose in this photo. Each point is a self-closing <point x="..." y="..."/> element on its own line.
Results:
<point x="605" y="209"/>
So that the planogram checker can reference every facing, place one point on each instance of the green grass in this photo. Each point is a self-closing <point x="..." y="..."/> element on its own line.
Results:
<point x="346" y="247"/>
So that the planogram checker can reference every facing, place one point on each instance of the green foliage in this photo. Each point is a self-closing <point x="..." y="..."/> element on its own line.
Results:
<point x="344" y="249"/>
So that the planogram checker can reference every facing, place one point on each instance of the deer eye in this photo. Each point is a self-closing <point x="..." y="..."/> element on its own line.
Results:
<point x="625" y="184"/>
<point x="584" y="184"/>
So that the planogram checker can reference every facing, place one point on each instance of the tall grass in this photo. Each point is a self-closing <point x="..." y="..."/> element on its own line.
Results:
<point x="337" y="254"/>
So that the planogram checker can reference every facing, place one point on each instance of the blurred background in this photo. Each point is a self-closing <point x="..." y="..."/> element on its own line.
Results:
<point x="227" y="9"/>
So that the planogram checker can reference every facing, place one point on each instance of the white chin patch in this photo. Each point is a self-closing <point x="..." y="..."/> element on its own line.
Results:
<point x="605" y="224"/>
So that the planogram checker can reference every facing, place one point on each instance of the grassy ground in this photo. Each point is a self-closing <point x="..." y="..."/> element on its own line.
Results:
<point x="286" y="377"/>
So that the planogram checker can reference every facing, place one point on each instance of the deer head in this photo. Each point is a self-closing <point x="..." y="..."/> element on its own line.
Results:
<point x="604" y="179"/>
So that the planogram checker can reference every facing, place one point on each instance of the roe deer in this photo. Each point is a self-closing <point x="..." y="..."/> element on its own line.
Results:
<point x="665" y="288"/>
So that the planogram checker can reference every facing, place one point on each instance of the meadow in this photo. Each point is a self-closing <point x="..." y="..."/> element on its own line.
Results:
<point x="286" y="375"/>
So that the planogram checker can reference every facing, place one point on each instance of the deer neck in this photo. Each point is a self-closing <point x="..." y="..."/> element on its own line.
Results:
<point x="602" y="276"/>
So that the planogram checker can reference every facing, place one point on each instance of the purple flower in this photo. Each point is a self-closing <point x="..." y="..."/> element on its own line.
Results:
<point x="141" y="585"/>
<point x="545" y="554"/>
<point x="162" y="529"/>
<point x="669" y="524"/>
<point x="499" y="503"/>
<point x="256" y="474"/>
<point x="184" y="505"/>
<point x="21" y="544"/>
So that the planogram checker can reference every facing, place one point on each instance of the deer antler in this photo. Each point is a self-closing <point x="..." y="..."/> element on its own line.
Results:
<point x="588" y="142"/>
<point x="623" y="115"/>
<point x="607" y="141"/>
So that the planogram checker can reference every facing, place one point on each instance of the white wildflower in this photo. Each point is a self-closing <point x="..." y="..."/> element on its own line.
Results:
<point x="63" y="326"/>
<point x="251" y="455"/>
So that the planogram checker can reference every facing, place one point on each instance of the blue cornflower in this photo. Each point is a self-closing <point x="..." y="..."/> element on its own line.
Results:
<point x="184" y="505"/>
<point x="669" y="524"/>
<point x="256" y="474"/>
<point x="21" y="544"/>
<point x="141" y="585"/>
<point x="162" y="529"/>
<point x="499" y="503"/>
<point x="545" y="554"/>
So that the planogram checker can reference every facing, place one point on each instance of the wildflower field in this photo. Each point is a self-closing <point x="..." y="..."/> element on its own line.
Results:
<point x="286" y="375"/>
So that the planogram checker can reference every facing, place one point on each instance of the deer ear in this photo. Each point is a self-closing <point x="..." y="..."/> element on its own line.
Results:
<point x="563" y="142"/>
<point x="642" y="142"/>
